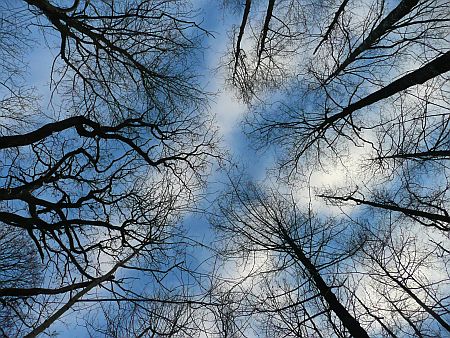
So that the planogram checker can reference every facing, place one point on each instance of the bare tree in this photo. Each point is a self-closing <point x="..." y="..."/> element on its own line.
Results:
<point x="374" y="273"/>
<point x="408" y="278"/>
<point x="106" y="174"/>
<point x="335" y="81"/>
<point x="368" y="78"/>
<point x="297" y="289"/>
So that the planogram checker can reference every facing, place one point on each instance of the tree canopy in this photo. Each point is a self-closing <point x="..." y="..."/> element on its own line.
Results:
<point x="111" y="167"/>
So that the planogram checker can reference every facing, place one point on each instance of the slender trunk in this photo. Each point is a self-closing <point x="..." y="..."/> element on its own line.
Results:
<point x="393" y="207"/>
<point x="437" y="67"/>
<point x="29" y="292"/>
<point x="416" y="299"/>
<point x="332" y="24"/>
<point x="237" y="53"/>
<point x="50" y="320"/>
<point x="350" y="323"/>
<point x="265" y="30"/>
<point x="403" y="8"/>
<point x="431" y="154"/>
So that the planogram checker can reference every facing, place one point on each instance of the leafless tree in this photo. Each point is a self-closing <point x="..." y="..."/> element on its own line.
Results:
<point x="367" y="77"/>
<point x="337" y="79"/>
<point x="102" y="178"/>
<point x="297" y="287"/>
<point x="373" y="271"/>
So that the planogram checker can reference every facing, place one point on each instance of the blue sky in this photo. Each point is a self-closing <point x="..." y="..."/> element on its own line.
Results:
<point x="224" y="106"/>
<point x="228" y="112"/>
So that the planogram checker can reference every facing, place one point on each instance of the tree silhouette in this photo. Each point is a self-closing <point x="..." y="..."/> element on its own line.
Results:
<point x="362" y="87"/>
<point x="105" y="175"/>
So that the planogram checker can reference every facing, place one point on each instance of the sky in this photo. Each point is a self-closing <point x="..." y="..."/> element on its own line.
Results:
<point x="228" y="112"/>
<point x="226" y="109"/>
